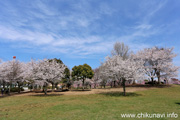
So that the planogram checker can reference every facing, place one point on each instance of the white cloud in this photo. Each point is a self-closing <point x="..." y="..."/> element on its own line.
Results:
<point x="71" y="31"/>
<point x="143" y="26"/>
<point x="25" y="35"/>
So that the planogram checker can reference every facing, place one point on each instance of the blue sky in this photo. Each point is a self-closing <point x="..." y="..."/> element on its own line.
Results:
<point x="84" y="31"/>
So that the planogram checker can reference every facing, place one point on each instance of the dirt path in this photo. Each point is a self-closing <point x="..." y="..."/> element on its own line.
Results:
<point x="92" y="91"/>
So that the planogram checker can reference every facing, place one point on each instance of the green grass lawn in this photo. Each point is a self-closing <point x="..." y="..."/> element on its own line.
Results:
<point x="108" y="106"/>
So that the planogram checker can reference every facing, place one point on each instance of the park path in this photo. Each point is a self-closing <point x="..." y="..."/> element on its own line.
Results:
<point x="86" y="92"/>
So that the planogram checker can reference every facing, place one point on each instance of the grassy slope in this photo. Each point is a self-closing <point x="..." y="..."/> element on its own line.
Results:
<point x="99" y="106"/>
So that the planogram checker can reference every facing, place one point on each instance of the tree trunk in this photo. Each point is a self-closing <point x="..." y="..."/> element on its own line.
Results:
<point x="104" y="86"/>
<point x="83" y="85"/>
<point x="158" y="75"/>
<point x="124" y="87"/>
<point x="9" y="89"/>
<point x="68" y="86"/>
<point x="159" y="80"/>
<point x="19" y="89"/>
<point x="4" y="85"/>
<point x="33" y="86"/>
<point x="45" y="90"/>
<point x="152" y="80"/>
<point x="114" y="83"/>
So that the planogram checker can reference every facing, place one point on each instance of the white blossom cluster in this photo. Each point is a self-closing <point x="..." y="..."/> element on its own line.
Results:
<point x="39" y="72"/>
<point x="159" y="63"/>
<point x="150" y="63"/>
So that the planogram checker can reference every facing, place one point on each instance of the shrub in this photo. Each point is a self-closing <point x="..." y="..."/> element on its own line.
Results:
<point x="15" y="89"/>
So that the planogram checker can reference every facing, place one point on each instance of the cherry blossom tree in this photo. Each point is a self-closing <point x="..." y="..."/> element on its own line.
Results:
<point x="88" y="82"/>
<point x="77" y="83"/>
<point x="12" y="73"/>
<point x="46" y="71"/>
<point x="31" y="74"/>
<point x="158" y="62"/>
<point x="105" y="74"/>
<point x="124" y="52"/>
<point x="125" y="69"/>
<point x="96" y="78"/>
<point x="2" y="75"/>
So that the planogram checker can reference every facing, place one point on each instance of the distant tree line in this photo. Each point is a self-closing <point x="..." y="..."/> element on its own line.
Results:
<point x="120" y="67"/>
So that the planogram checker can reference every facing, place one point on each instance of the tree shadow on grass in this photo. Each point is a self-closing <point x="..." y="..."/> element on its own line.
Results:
<point x="48" y="95"/>
<point x="118" y="94"/>
<point x="149" y="85"/>
<point x="80" y="90"/>
<point x="41" y="91"/>
<point x="178" y="103"/>
<point x="14" y="94"/>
